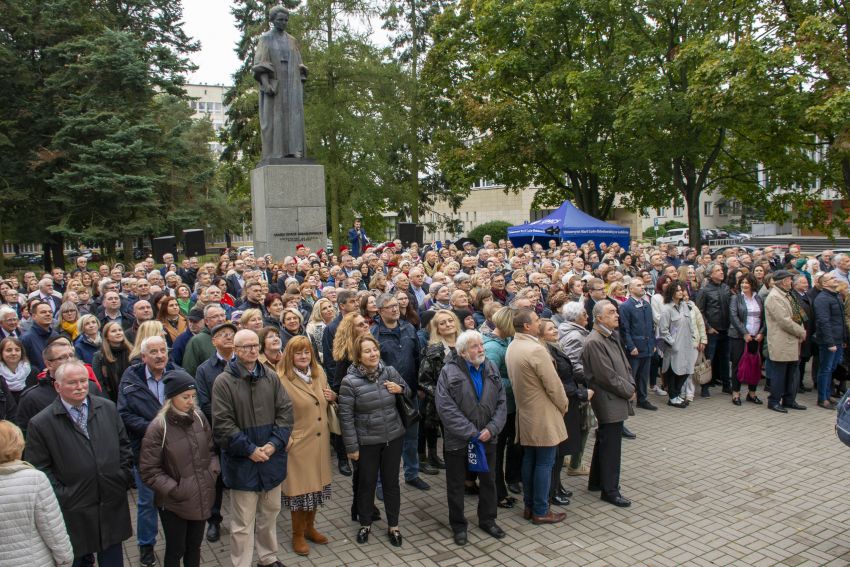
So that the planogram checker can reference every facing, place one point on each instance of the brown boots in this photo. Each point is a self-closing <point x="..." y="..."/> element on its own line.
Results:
<point x="303" y="528"/>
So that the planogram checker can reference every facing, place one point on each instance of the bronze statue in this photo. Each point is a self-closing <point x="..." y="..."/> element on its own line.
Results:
<point x="281" y="75"/>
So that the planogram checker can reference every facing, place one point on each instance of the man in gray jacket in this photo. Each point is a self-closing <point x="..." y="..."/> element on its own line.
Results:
<point x="608" y="375"/>
<point x="471" y="404"/>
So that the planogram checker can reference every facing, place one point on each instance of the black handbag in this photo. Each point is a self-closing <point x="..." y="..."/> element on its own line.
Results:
<point x="407" y="410"/>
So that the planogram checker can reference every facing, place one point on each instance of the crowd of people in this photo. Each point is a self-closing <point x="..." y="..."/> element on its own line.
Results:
<point x="252" y="376"/>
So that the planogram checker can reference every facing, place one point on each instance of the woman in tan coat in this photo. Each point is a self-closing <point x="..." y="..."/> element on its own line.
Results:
<point x="308" y="476"/>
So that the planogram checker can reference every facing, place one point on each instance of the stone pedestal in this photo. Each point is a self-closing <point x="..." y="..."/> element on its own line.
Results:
<point x="288" y="205"/>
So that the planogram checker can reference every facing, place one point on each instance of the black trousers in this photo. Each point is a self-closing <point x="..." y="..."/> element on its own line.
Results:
<point x="182" y="539"/>
<point x="455" y="477"/>
<point x="605" y="465"/>
<point x="507" y="471"/>
<point x="385" y="458"/>
<point x="339" y="447"/>
<point x="215" y="516"/>
<point x="674" y="383"/>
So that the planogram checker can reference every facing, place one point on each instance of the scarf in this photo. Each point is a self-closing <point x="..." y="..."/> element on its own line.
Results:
<point x="71" y="329"/>
<point x="305" y="376"/>
<point x="16" y="380"/>
<point x="501" y="295"/>
<point x="372" y="375"/>
<point x="173" y="330"/>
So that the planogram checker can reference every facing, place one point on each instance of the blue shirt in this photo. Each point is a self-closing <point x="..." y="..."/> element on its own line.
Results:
<point x="477" y="379"/>
<point x="155" y="386"/>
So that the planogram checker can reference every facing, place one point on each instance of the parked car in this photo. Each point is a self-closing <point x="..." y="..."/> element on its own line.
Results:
<point x="746" y="248"/>
<point x="677" y="236"/>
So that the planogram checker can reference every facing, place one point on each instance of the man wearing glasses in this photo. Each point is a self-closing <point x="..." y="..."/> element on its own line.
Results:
<point x="252" y="422"/>
<point x="400" y="349"/>
<point x="37" y="397"/>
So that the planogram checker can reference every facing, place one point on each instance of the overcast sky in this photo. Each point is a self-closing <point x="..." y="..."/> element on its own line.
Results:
<point x="211" y="23"/>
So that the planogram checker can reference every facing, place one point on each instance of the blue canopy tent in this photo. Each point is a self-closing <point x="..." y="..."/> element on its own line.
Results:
<point x="569" y="223"/>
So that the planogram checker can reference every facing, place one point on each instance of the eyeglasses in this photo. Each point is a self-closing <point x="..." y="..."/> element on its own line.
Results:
<point x="393" y="306"/>
<point x="68" y="356"/>
<point x="248" y="347"/>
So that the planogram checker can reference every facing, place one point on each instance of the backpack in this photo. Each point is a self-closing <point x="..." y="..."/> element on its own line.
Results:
<point x="842" y="421"/>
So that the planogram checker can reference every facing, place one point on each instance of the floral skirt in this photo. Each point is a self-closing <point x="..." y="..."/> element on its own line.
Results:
<point x="307" y="502"/>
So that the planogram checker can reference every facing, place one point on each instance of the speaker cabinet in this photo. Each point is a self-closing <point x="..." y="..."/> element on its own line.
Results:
<point x="164" y="245"/>
<point x="194" y="242"/>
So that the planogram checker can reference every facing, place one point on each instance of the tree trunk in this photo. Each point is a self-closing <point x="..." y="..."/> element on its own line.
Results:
<point x="128" y="252"/>
<point x="46" y="259"/>
<point x="228" y="239"/>
<point x="694" y="228"/>
<point x="59" y="252"/>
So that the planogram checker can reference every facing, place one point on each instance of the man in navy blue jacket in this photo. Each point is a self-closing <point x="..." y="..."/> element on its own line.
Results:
<point x="638" y="337"/>
<point x="141" y="394"/>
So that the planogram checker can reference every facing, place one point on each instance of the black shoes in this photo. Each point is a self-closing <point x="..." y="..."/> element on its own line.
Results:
<point x="435" y="461"/>
<point x="617" y="500"/>
<point x="418" y="483"/>
<point x="515" y="487"/>
<point x="559" y="500"/>
<point x="146" y="556"/>
<point x="275" y="564"/>
<point x="460" y="538"/>
<point x="737" y="401"/>
<point x="395" y="537"/>
<point x="754" y="400"/>
<point x="426" y="468"/>
<point x="213" y="533"/>
<point x="795" y="406"/>
<point x="363" y="534"/>
<point x="494" y="531"/>
<point x="777" y="408"/>
<point x="563" y="491"/>
<point x="677" y="404"/>
<point x="627" y="434"/>
<point x="344" y="467"/>
<point x="647" y="405"/>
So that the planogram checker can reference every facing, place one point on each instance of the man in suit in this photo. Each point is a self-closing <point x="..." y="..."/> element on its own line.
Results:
<point x="357" y="239"/>
<point x="541" y="403"/>
<point x="638" y="337"/>
<point x="9" y="323"/>
<point x="236" y="281"/>
<point x="608" y="374"/>
<point x="804" y="300"/>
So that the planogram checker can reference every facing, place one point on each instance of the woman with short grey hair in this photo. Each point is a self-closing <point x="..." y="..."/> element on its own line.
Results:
<point x="572" y="334"/>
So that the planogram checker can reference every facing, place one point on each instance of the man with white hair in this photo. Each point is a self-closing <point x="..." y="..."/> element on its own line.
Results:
<point x="141" y="394"/>
<point x="46" y="293"/>
<point x="471" y="403"/>
<point x="842" y="267"/>
<point x="9" y="323"/>
<point x="80" y="443"/>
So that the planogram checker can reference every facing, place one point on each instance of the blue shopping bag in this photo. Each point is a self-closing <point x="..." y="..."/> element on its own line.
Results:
<point x="476" y="459"/>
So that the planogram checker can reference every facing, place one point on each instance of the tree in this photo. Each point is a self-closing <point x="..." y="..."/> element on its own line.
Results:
<point x="710" y="110"/>
<point x="531" y="90"/>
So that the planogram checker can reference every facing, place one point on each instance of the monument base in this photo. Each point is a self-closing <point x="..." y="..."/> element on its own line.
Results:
<point x="288" y="205"/>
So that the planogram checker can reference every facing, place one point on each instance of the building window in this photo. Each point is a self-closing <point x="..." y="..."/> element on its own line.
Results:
<point x="707" y="208"/>
<point x="678" y="211"/>
<point x="662" y="212"/>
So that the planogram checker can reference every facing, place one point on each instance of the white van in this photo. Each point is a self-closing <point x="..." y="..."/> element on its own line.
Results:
<point x="677" y="236"/>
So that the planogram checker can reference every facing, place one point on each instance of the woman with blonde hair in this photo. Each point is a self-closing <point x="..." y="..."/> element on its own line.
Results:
<point x="33" y="531"/>
<point x="252" y="319"/>
<point x="323" y="313"/>
<point x="178" y="462"/>
<point x="147" y="329"/>
<point x="308" y="473"/>
<point x="88" y="339"/>
<point x="112" y="359"/>
<point x="443" y="331"/>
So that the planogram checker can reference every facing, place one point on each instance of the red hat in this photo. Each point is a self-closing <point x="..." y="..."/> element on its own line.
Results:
<point x="390" y="245"/>
<point x="391" y="264"/>
<point x="299" y="246"/>
<point x="343" y="249"/>
<point x="369" y="247"/>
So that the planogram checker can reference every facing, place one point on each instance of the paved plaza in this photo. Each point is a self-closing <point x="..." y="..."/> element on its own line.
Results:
<point x="713" y="484"/>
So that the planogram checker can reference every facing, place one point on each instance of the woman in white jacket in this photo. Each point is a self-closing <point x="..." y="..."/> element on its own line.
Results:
<point x="32" y="530"/>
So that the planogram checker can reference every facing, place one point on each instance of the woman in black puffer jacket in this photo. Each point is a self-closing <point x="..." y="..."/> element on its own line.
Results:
<point x="373" y="432"/>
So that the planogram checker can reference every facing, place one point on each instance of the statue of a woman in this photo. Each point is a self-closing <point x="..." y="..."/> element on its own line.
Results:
<point x="281" y="74"/>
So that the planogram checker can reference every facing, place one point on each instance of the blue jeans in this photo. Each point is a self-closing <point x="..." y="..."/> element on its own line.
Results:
<point x="410" y="452"/>
<point x="146" y="517"/>
<point x="537" y="463"/>
<point x="717" y="351"/>
<point x="829" y="361"/>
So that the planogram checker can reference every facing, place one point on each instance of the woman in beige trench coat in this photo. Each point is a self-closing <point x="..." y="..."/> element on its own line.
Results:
<point x="308" y="477"/>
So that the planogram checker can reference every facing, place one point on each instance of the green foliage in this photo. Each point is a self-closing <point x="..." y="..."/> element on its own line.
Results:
<point x="497" y="229"/>
<point x="663" y="229"/>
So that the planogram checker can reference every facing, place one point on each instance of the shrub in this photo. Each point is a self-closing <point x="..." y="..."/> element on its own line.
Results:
<point x="496" y="229"/>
